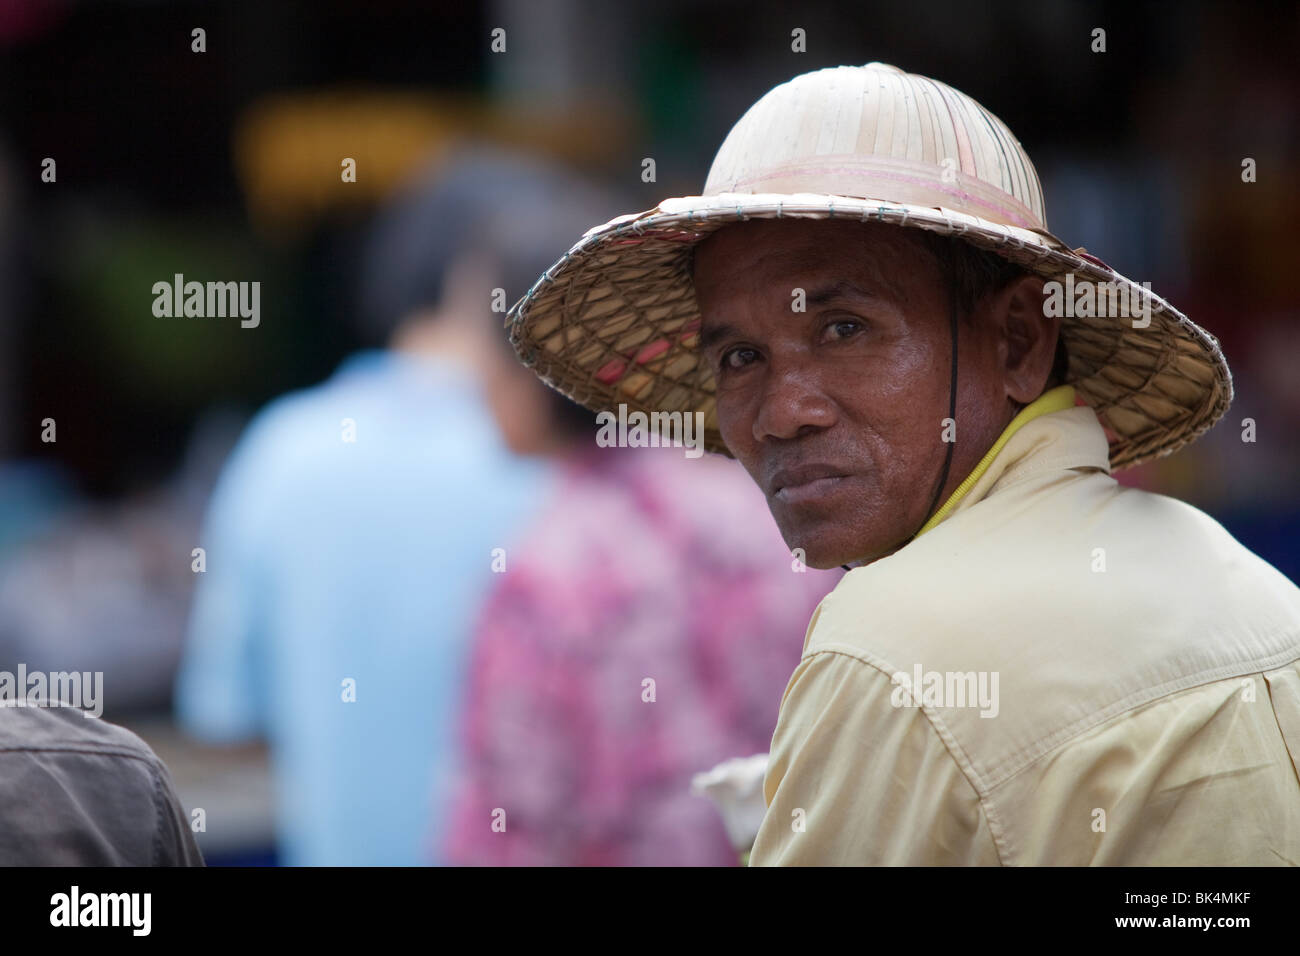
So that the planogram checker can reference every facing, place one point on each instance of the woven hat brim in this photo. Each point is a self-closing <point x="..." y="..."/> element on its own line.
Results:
<point x="615" y="320"/>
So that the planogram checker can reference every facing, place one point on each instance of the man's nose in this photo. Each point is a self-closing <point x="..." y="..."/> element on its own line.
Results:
<point x="793" y="404"/>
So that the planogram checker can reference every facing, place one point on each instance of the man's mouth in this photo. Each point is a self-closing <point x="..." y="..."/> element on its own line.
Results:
<point x="793" y="486"/>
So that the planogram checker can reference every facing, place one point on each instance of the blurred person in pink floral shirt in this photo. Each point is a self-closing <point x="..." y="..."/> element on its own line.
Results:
<point x="647" y="566"/>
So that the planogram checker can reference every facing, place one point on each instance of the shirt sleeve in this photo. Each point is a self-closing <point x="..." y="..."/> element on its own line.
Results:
<point x="855" y="781"/>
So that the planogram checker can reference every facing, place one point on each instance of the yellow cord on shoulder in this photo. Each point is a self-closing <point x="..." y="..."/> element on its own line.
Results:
<point x="1054" y="400"/>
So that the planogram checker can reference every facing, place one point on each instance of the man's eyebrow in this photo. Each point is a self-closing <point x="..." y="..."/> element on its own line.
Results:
<point x="841" y="289"/>
<point x="712" y="334"/>
<point x="819" y="295"/>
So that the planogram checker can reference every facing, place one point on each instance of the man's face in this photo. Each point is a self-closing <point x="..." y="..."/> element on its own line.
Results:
<point x="837" y="411"/>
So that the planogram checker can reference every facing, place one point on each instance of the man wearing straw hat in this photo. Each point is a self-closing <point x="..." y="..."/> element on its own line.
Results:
<point x="1027" y="662"/>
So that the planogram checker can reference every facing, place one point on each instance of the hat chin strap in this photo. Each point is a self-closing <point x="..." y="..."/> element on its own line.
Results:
<point x="952" y="415"/>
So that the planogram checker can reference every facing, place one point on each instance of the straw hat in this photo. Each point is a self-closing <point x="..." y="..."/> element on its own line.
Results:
<point x="615" y="320"/>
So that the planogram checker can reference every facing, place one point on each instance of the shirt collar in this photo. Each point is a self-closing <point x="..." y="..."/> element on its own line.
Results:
<point x="1051" y="433"/>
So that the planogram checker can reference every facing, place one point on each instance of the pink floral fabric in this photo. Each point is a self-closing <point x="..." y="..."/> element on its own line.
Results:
<point x="647" y="567"/>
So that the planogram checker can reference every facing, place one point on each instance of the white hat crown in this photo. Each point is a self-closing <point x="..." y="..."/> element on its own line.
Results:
<point x="877" y="132"/>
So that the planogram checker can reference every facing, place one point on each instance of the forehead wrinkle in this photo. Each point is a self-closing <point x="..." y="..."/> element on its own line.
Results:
<point x="868" y="262"/>
<point x="741" y="282"/>
<point x="835" y="290"/>
<point x="868" y="270"/>
<point x="826" y="258"/>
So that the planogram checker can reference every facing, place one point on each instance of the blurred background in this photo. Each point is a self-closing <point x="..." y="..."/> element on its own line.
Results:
<point x="218" y="156"/>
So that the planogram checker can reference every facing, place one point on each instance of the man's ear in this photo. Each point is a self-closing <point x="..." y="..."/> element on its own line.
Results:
<point x="1028" y="346"/>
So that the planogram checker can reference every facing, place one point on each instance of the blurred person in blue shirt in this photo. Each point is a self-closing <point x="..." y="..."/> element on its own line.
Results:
<point x="352" y="534"/>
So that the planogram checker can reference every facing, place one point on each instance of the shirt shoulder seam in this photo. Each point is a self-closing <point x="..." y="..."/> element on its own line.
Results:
<point x="1060" y="465"/>
<point x="159" y="805"/>
<point x="81" y="748"/>
<point x="1009" y="769"/>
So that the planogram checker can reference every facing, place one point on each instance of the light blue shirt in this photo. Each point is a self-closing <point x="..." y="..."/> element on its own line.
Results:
<point x="336" y="565"/>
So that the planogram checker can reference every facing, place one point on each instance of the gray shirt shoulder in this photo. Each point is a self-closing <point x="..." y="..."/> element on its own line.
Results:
<point x="79" y="791"/>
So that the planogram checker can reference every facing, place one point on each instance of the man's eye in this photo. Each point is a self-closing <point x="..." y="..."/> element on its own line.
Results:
<point x="843" y="328"/>
<point x="738" y="358"/>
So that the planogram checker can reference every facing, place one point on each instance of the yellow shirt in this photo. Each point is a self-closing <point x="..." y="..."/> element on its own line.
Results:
<point x="1061" y="671"/>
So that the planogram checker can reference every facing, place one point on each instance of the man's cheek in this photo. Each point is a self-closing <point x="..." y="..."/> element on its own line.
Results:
<point x="738" y="437"/>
